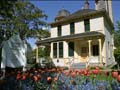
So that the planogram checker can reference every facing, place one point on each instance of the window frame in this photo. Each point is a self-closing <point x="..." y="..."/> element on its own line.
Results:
<point x="95" y="50"/>
<point x="71" y="49"/>
<point x="87" y="25"/>
<point x="60" y="49"/>
<point x="59" y="30"/>
<point x="72" y="28"/>
<point x="55" y="50"/>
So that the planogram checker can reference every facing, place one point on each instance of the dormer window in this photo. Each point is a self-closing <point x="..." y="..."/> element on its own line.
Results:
<point x="87" y="25"/>
<point x="59" y="30"/>
<point x="72" y="28"/>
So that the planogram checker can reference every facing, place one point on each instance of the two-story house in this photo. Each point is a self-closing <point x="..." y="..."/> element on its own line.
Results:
<point x="85" y="36"/>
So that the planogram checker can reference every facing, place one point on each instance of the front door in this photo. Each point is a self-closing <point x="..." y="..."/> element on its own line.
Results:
<point x="84" y="54"/>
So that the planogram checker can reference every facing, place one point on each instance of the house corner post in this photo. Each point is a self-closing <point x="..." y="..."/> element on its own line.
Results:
<point x="100" y="51"/>
<point x="89" y="44"/>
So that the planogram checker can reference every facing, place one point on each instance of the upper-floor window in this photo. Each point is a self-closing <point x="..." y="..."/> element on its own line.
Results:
<point x="87" y="25"/>
<point x="72" y="28"/>
<point x="59" y="30"/>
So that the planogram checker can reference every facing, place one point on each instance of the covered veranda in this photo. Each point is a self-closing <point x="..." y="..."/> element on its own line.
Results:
<point x="89" y="38"/>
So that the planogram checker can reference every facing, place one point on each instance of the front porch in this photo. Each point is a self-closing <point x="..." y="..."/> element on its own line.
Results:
<point x="86" y="48"/>
<point x="77" y="52"/>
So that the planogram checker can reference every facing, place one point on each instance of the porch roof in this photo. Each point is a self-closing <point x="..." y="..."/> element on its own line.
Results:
<point x="70" y="37"/>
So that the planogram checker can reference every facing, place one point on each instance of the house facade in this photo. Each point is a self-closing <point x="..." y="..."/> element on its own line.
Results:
<point x="85" y="36"/>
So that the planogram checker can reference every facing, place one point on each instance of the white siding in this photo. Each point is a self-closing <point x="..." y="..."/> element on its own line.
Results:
<point x="51" y="51"/>
<point x="96" y="24"/>
<point x="108" y="38"/>
<point x="65" y="49"/>
<point x="60" y="63"/>
<point x="54" y="32"/>
<point x="79" y="27"/>
<point x="66" y="30"/>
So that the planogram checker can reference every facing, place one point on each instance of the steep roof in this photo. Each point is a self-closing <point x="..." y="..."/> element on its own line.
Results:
<point x="82" y="14"/>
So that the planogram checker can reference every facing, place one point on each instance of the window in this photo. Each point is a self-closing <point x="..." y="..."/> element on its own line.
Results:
<point x="60" y="49"/>
<point x="87" y="25"/>
<point x="95" y="50"/>
<point x="71" y="48"/>
<point x="59" y="30"/>
<point x="72" y="28"/>
<point x="55" y="50"/>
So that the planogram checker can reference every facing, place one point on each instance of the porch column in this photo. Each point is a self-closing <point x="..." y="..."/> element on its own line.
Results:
<point x="58" y="51"/>
<point x="100" y="51"/>
<point x="89" y="42"/>
<point x="37" y="61"/>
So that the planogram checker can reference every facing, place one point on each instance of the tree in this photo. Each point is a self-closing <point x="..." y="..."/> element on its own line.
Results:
<point x="43" y="52"/>
<point x="26" y="19"/>
<point x="117" y="43"/>
<point x="20" y="17"/>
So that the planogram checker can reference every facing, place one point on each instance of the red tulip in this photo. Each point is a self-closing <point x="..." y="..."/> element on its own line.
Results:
<point x="24" y="77"/>
<point x="114" y="74"/>
<point x="85" y="73"/>
<point x="39" y="76"/>
<point x="18" y="77"/>
<point x="97" y="68"/>
<point x="73" y="74"/>
<point x="96" y="71"/>
<point x="118" y="78"/>
<point x="49" y="80"/>
<point x="55" y="78"/>
<point x="66" y="73"/>
<point x="35" y="78"/>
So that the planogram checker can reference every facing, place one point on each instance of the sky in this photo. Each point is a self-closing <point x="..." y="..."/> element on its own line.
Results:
<point x="51" y="8"/>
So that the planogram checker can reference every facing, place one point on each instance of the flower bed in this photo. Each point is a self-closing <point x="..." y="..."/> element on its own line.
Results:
<point x="59" y="79"/>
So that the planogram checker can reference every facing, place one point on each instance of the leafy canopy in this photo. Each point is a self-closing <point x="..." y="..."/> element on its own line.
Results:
<point x="22" y="17"/>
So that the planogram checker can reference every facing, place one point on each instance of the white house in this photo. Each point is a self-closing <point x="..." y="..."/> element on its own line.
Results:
<point x="85" y="36"/>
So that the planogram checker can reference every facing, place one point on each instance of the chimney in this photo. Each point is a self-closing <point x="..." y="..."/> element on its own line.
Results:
<point x="105" y="4"/>
<point x="110" y="10"/>
<point x="100" y="4"/>
<point x="86" y="5"/>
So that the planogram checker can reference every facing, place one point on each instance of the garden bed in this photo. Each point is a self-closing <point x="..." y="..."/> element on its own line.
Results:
<point x="59" y="79"/>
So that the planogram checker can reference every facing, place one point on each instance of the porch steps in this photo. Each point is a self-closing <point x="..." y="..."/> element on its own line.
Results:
<point x="78" y="66"/>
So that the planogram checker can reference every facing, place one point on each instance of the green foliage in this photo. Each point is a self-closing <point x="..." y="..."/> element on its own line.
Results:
<point x="117" y="43"/>
<point x="43" y="52"/>
<point x="6" y="7"/>
<point x="18" y="16"/>
<point x="117" y="55"/>
<point x="117" y="38"/>
<point x="26" y="19"/>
